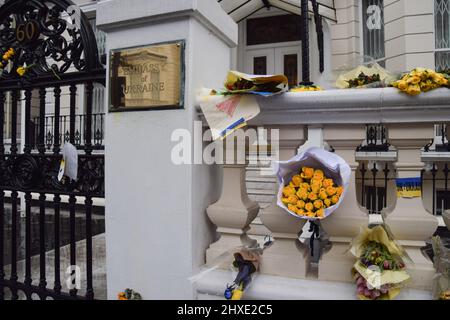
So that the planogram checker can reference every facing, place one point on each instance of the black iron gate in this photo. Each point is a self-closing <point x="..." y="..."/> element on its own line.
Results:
<point x="49" y="54"/>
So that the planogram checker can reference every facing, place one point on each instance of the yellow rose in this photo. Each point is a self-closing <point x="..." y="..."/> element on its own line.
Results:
<point x="296" y="180"/>
<point x="309" y="207"/>
<point x="315" y="182"/>
<point x="318" y="204"/>
<point x="339" y="190"/>
<point x="413" y="80"/>
<point x="307" y="173"/>
<point x="301" y="204"/>
<point x="413" y="89"/>
<point x="21" y="71"/>
<point x="318" y="175"/>
<point x="292" y="199"/>
<point x="302" y="194"/>
<point x="327" y="202"/>
<point x="312" y="196"/>
<point x="288" y="191"/>
<point x="402" y="85"/>
<point x="315" y="188"/>
<point x="292" y="208"/>
<point x="320" y="213"/>
<point x="300" y="212"/>
<point x="305" y="186"/>
<point x="331" y="191"/>
<point x="335" y="199"/>
<point x="323" y="194"/>
<point x="285" y="201"/>
<point x="327" y="183"/>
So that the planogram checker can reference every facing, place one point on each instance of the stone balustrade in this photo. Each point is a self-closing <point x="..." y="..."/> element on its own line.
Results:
<point x="337" y="119"/>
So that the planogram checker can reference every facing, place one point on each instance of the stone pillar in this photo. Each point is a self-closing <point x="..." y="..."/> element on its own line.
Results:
<point x="345" y="223"/>
<point x="412" y="225"/>
<point x="157" y="228"/>
<point x="287" y="256"/>
<point x="232" y="215"/>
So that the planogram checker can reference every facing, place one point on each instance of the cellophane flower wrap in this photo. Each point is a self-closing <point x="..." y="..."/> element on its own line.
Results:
<point x="441" y="280"/>
<point x="363" y="72"/>
<point x="333" y="167"/>
<point x="380" y="271"/>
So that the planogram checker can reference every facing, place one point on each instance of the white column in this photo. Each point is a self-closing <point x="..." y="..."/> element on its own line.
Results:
<point x="287" y="256"/>
<point x="232" y="215"/>
<point x="157" y="229"/>
<point x="345" y="223"/>
<point x="411" y="226"/>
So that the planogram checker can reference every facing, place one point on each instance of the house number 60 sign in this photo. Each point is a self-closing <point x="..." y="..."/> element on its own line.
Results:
<point x="28" y="31"/>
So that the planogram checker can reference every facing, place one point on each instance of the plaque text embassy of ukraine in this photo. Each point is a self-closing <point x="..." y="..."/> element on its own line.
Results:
<point x="150" y="77"/>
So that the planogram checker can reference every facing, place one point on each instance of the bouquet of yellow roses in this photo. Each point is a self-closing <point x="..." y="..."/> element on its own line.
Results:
<point x="312" y="184"/>
<point x="420" y="80"/>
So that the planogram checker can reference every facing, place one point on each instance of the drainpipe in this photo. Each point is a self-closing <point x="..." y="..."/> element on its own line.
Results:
<point x="305" y="43"/>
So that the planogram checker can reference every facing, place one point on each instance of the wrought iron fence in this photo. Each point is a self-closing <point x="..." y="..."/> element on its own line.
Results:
<point x="97" y="133"/>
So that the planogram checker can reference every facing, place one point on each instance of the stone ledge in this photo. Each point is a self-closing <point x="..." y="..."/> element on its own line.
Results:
<point x="352" y="106"/>
<point x="265" y="287"/>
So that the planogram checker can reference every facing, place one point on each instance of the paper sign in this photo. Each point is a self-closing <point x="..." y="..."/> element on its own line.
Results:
<point x="69" y="163"/>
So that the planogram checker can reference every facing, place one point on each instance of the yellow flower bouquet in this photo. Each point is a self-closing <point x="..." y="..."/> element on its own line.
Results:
<point x="379" y="272"/>
<point x="420" y="80"/>
<point x="312" y="184"/>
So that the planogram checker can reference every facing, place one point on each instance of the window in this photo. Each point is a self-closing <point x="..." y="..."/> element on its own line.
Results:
<point x="373" y="30"/>
<point x="442" y="32"/>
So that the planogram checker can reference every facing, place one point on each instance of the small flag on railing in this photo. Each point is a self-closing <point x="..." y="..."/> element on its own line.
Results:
<point x="409" y="187"/>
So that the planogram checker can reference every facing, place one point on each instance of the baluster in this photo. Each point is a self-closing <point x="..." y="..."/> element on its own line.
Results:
<point x="15" y="99"/>
<point x="2" y="194"/>
<point x="89" y="286"/>
<point x="56" y="136"/>
<point x="27" y="150"/>
<point x="2" y="245"/>
<point x="446" y="202"/>
<point x="42" y="129"/>
<point x="42" y="279"/>
<point x="2" y="122"/>
<point x="14" y="198"/>
<point x="374" y="198"/>
<point x="57" y="205"/>
<point x="386" y="175"/>
<point x="88" y="122"/>
<point x="28" y="280"/>
<point x="14" y="213"/>
<point x="433" y="174"/>
<point x="73" y="93"/>
<point x="101" y="128"/>
<point x="363" y="187"/>
<point x="95" y="130"/>
<point x="72" y="204"/>
<point x="27" y="144"/>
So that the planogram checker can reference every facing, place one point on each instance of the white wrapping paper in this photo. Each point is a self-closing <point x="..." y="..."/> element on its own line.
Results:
<point x="332" y="165"/>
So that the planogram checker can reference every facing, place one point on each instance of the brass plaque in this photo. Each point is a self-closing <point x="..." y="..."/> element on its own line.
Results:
<point x="150" y="77"/>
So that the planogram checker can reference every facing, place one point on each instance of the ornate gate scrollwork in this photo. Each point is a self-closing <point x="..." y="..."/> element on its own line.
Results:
<point x="25" y="173"/>
<point x="47" y="48"/>
<point x="51" y="37"/>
